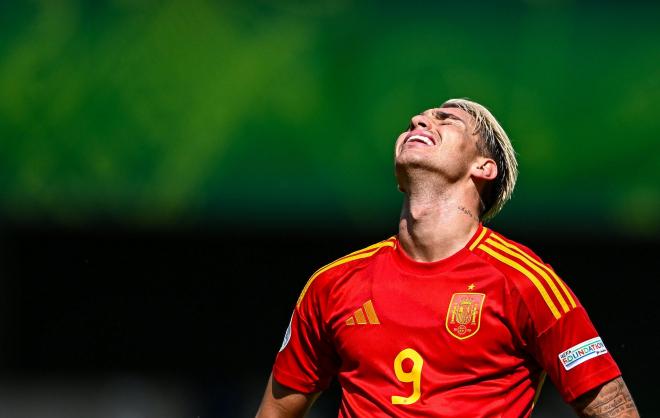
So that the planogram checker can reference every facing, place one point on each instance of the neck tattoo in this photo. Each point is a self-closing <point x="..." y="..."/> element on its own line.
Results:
<point x="468" y="212"/>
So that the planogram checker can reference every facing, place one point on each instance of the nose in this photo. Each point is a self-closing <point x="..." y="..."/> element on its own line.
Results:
<point x="419" y="121"/>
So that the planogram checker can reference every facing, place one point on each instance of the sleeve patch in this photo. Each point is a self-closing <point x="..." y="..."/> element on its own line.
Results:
<point x="582" y="352"/>
<point x="287" y="335"/>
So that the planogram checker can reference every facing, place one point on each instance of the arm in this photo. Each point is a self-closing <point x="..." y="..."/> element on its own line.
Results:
<point x="610" y="400"/>
<point x="282" y="402"/>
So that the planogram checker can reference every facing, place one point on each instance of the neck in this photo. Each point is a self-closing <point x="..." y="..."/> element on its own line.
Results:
<point x="436" y="224"/>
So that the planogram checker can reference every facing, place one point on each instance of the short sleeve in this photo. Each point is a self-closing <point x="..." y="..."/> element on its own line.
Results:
<point x="307" y="361"/>
<point x="572" y="353"/>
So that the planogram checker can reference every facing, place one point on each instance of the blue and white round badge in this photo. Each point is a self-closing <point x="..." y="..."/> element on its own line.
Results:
<point x="287" y="335"/>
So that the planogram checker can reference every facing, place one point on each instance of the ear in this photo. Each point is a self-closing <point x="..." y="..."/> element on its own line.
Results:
<point x="484" y="169"/>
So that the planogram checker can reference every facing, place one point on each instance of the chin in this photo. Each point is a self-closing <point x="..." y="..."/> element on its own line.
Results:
<point x="413" y="161"/>
<point x="408" y="172"/>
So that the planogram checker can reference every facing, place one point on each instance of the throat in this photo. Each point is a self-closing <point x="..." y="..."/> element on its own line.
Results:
<point x="432" y="232"/>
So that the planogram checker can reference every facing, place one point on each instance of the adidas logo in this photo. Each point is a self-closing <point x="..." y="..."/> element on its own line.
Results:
<point x="364" y="315"/>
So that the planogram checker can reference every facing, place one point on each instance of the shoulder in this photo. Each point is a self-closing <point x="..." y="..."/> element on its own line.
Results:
<point x="328" y="274"/>
<point x="536" y="282"/>
<point x="493" y="244"/>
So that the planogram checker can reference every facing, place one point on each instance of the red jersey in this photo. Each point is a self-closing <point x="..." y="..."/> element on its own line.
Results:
<point x="472" y="335"/>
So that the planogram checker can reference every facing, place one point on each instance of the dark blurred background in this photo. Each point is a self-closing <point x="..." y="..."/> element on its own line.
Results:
<point x="171" y="173"/>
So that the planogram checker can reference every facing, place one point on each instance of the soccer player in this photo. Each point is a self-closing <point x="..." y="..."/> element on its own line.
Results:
<point x="448" y="318"/>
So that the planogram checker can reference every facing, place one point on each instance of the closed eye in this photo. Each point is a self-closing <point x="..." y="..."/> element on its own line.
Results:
<point x="447" y="118"/>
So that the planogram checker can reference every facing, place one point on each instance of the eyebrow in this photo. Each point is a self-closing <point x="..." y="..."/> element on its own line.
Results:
<point x="444" y="115"/>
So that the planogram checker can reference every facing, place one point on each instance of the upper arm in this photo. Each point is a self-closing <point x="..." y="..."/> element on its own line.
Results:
<point x="307" y="360"/>
<point x="282" y="402"/>
<point x="609" y="400"/>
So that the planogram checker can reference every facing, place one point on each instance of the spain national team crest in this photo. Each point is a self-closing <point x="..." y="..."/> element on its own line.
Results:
<point x="464" y="314"/>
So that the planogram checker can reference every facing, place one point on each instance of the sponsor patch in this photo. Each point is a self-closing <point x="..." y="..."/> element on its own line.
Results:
<point x="582" y="352"/>
<point x="287" y="335"/>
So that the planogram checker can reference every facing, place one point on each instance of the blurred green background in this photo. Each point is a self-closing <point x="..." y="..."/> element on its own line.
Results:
<point x="277" y="118"/>
<point x="285" y="112"/>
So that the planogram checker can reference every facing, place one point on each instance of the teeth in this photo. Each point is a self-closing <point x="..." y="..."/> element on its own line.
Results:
<point x="420" y="138"/>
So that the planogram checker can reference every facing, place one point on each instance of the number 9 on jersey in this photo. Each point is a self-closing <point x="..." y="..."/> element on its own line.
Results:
<point x="413" y="376"/>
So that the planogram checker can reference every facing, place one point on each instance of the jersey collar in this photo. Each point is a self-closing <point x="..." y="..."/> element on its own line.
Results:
<point x="406" y="263"/>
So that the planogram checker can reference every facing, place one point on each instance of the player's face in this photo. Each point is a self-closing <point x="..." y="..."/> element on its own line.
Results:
<point x="440" y="140"/>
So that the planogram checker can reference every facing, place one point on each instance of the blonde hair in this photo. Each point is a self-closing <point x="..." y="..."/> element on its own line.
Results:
<point x="493" y="143"/>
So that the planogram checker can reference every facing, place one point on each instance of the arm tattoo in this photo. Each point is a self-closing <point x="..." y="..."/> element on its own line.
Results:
<point x="612" y="400"/>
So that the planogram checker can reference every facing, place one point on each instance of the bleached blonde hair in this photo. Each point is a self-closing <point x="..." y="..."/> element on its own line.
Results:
<point x="493" y="143"/>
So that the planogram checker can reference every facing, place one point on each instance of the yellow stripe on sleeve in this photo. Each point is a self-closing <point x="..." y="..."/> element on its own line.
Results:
<point x="543" y="274"/>
<point x="544" y="374"/>
<point x="358" y="255"/>
<point x="570" y="298"/>
<point x="476" y="241"/>
<point x="386" y="243"/>
<point x="528" y="274"/>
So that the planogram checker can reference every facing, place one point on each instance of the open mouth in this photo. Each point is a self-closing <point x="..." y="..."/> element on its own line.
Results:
<point x="421" y="137"/>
